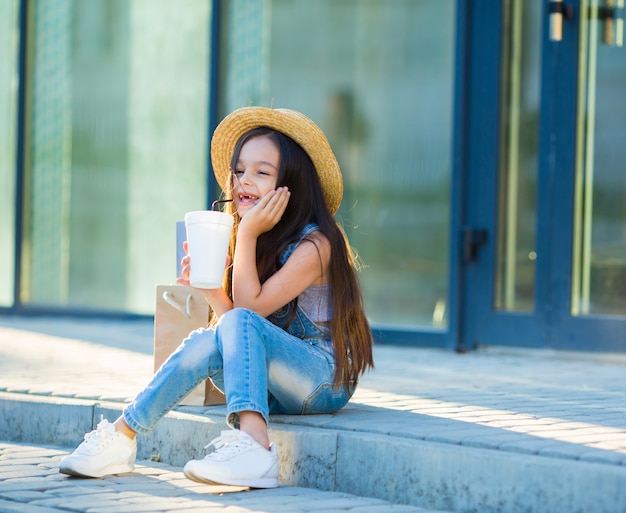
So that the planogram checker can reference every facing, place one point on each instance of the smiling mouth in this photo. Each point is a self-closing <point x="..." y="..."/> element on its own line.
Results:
<point x="247" y="199"/>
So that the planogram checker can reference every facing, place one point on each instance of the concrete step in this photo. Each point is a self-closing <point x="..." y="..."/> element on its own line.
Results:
<point x="427" y="461"/>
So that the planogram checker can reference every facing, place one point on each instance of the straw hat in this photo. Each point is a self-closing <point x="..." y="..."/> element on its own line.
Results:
<point x="291" y="123"/>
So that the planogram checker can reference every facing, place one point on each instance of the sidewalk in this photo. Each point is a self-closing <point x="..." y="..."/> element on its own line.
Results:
<point x="493" y="430"/>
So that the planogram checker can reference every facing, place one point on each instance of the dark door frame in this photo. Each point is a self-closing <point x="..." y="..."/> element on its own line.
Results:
<point x="550" y="324"/>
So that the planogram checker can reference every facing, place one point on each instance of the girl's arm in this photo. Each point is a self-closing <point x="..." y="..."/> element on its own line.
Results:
<point x="218" y="300"/>
<point x="304" y="267"/>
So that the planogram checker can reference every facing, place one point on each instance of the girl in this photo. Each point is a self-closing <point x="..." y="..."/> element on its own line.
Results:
<point x="289" y="334"/>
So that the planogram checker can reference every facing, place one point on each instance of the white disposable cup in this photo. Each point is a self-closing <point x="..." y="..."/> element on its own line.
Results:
<point x="208" y="233"/>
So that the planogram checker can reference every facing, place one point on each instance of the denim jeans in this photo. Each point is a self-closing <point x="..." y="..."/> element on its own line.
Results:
<point x="260" y="366"/>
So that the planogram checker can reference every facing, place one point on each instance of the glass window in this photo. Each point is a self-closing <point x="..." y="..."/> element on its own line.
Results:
<point x="517" y="204"/>
<point x="599" y="253"/>
<point x="9" y="35"/>
<point x="377" y="76"/>
<point x="117" y="148"/>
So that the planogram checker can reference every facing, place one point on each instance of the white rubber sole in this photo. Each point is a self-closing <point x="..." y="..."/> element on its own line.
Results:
<point x="262" y="482"/>
<point x="76" y="471"/>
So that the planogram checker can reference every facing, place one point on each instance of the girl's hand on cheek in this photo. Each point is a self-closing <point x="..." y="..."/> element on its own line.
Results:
<point x="266" y="213"/>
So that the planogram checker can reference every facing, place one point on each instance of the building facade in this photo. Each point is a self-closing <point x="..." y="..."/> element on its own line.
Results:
<point x="481" y="144"/>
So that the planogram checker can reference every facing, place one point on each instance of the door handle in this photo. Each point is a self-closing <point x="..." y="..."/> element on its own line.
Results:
<point x="612" y="17"/>
<point x="471" y="240"/>
<point x="558" y="11"/>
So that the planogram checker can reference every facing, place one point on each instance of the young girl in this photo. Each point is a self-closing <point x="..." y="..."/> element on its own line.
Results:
<point x="290" y="335"/>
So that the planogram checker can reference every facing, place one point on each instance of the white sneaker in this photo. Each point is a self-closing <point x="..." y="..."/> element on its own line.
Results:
<point x="103" y="452"/>
<point x="237" y="460"/>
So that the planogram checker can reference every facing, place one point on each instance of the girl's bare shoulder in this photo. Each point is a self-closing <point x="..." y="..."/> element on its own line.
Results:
<point x="319" y="240"/>
<point x="316" y="249"/>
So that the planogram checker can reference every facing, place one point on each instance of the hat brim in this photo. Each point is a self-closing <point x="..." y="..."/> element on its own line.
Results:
<point x="289" y="122"/>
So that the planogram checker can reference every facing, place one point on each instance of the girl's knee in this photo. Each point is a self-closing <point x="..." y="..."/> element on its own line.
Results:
<point x="234" y="329"/>
<point x="233" y="318"/>
<point x="197" y="347"/>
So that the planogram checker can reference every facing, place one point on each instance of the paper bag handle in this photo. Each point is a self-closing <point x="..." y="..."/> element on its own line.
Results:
<point x="169" y="299"/>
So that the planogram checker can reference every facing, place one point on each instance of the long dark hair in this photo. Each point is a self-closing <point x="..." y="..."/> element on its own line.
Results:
<point x="350" y="330"/>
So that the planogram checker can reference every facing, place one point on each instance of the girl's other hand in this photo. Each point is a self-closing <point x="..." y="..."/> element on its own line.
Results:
<point x="217" y="298"/>
<point x="185" y="264"/>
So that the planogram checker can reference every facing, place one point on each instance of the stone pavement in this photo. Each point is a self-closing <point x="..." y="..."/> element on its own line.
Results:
<point x="492" y="430"/>
<point x="30" y="483"/>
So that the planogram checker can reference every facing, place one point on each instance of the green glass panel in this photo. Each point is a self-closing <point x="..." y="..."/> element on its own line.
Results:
<point x="377" y="76"/>
<point x="517" y="202"/>
<point x="599" y="277"/>
<point x="9" y="35"/>
<point x="118" y="148"/>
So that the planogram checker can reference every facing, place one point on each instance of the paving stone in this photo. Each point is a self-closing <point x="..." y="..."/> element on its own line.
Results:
<point x="21" y="507"/>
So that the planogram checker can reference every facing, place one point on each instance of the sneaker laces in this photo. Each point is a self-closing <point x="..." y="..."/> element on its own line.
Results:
<point x="228" y="444"/>
<point x="95" y="440"/>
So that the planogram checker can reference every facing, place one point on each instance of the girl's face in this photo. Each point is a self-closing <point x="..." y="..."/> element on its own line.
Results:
<point x="256" y="172"/>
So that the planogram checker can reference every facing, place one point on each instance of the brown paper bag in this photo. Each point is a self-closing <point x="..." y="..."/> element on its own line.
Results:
<point x="180" y="310"/>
